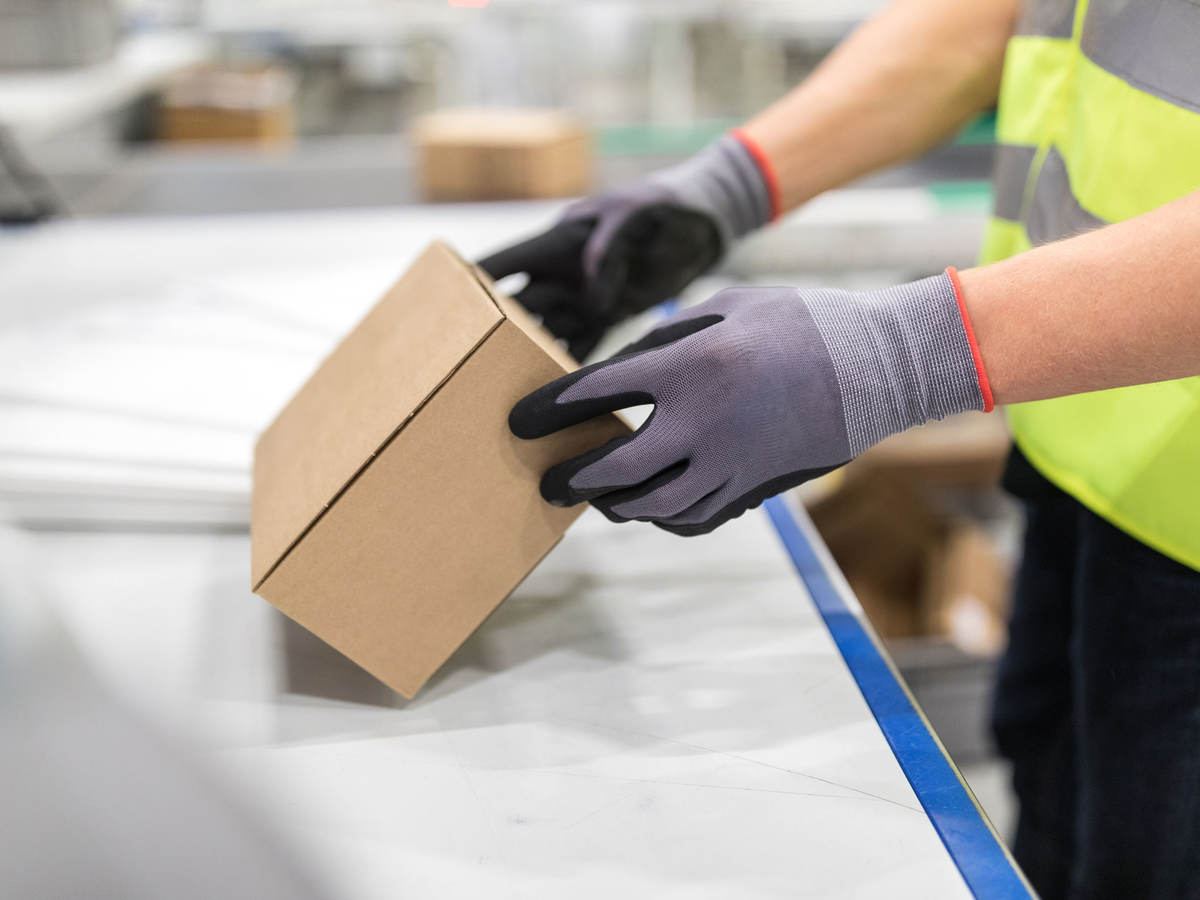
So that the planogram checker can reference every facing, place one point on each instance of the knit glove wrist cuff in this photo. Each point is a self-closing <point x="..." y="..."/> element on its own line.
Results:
<point x="729" y="181"/>
<point x="903" y="356"/>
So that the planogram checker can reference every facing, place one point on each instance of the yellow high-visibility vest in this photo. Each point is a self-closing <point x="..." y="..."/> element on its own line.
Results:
<point x="1099" y="121"/>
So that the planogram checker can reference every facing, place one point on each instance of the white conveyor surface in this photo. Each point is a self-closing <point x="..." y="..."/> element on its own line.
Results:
<point x="646" y="714"/>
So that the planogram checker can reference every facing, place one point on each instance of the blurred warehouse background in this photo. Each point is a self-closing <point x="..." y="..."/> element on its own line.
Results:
<point x="94" y="91"/>
<point x="111" y="111"/>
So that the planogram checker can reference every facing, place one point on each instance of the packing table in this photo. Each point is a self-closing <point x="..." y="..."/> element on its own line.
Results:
<point x="703" y="717"/>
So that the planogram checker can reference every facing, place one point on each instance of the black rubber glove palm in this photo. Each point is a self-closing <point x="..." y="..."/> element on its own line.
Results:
<point x="653" y="255"/>
<point x="619" y="253"/>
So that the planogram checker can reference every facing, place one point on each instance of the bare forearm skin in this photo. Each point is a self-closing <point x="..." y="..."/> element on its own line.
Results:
<point x="903" y="82"/>
<point x="1115" y="307"/>
<point x="1111" y="308"/>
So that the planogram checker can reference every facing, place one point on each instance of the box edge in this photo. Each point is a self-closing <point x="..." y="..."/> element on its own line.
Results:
<point x="473" y="272"/>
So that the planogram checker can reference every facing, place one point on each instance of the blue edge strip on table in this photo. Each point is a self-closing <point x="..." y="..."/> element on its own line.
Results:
<point x="982" y="860"/>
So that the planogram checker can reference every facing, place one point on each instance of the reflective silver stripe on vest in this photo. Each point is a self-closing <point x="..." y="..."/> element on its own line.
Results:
<point x="1055" y="213"/>
<point x="1047" y="18"/>
<point x="1009" y="178"/>
<point x="1153" y="45"/>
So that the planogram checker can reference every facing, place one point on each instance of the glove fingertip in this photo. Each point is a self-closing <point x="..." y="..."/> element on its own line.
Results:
<point x="534" y="415"/>
<point x="556" y="487"/>
<point x="522" y="423"/>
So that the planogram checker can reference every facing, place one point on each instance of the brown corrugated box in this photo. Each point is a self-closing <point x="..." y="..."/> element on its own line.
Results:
<point x="392" y="508"/>
<point x="878" y="529"/>
<point x="195" y="124"/>
<point x="212" y="103"/>
<point x="501" y="154"/>
<point x="966" y="590"/>
<point x="918" y="569"/>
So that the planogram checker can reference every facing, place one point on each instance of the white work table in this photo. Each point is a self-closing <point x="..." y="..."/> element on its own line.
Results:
<point x="646" y="715"/>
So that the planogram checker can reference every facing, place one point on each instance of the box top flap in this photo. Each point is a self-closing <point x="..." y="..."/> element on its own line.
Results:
<point x="520" y="317"/>
<point x="368" y="388"/>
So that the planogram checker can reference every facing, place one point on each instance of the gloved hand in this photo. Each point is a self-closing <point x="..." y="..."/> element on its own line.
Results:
<point x="619" y="253"/>
<point x="755" y="391"/>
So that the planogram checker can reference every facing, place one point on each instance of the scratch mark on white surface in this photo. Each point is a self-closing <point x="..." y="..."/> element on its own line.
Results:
<point x="595" y="812"/>
<point x="819" y="683"/>
<point x="486" y="813"/>
<point x="746" y="759"/>
<point x="666" y="782"/>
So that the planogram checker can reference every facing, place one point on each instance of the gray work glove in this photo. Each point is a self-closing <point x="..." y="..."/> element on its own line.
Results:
<point x="755" y="391"/>
<point x="621" y="252"/>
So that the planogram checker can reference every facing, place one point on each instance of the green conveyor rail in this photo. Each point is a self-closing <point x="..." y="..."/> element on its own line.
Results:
<point x="645" y="139"/>
<point x="961" y="196"/>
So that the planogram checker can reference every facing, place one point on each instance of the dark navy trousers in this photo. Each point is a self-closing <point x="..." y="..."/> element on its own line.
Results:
<point x="1097" y="706"/>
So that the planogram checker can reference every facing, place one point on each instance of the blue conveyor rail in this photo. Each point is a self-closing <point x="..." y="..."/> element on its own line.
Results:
<point x="983" y="860"/>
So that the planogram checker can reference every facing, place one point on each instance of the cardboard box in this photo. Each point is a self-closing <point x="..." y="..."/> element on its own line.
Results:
<point x="966" y="591"/>
<point x="217" y="104"/>
<point x="878" y="527"/>
<point x="894" y="612"/>
<point x="917" y="571"/>
<point x="392" y="508"/>
<point x="495" y="154"/>
<point x="232" y="126"/>
<point x="966" y="451"/>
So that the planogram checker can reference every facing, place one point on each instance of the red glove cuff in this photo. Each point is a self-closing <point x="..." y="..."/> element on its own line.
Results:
<point x="770" y="179"/>
<point x="984" y="386"/>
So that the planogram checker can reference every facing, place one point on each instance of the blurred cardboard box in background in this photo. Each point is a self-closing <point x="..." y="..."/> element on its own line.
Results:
<point x="392" y="508"/>
<point x="229" y="105"/>
<point x="899" y="521"/>
<point x="965" y="590"/>
<point x="501" y="154"/>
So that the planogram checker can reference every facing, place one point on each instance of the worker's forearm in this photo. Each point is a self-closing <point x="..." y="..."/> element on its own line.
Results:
<point x="905" y="80"/>
<point x="1114" y="307"/>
